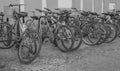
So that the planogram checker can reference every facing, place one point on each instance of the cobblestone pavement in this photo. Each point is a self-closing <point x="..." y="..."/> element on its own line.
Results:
<point x="105" y="57"/>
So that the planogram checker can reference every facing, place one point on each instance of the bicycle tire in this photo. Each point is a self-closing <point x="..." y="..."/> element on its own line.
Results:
<point x="8" y="35"/>
<point x="77" y="38"/>
<point x="89" y="43"/>
<point x="38" y="46"/>
<point x="65" y="48"/>
<point x="104" y="33"/>
<point x="112" y="27"/>
<point x="8" y="43"/>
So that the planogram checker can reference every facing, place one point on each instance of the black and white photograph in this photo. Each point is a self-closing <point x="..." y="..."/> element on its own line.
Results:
<point x="59" y="35"/>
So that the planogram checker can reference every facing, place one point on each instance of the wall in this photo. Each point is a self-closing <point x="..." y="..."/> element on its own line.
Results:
<point x="31" y="5"/>
<point x="52" y="4"/>
<point x="76" y="4"/>
<point x="6" y="3"/>
<point x="87" y="5"/>
<point x="98" y="6"/>
<point x="106" y="4"/>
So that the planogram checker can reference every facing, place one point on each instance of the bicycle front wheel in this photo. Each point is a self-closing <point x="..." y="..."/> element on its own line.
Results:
<point x="64" y="36"/>
<point x="30" y="47"/>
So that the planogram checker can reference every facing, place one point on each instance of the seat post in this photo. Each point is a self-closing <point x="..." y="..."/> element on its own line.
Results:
<point x="2" y="19"/>
<point x="23" y="19"/>
<point x="18" y="25"/>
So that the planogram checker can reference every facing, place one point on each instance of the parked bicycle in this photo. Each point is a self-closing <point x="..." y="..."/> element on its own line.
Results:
<point x="26" y="40"/>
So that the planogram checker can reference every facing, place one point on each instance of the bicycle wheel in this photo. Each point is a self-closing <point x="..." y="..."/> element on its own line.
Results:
<point x="103" y="30"/>
<point x="64" y="37"/>
<point x="92" y="35"/>
<point x="117" y="25"/>
<point x="113" y="33"/>
<point x="77" y="37"/>
<point x="6" y="38"/>
<point x="43" y="27"/>
<point x="30" y="46"/>
<point x="7" y="33"/>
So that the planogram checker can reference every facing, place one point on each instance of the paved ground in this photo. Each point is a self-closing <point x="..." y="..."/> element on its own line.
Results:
<point x="105" y="57"/>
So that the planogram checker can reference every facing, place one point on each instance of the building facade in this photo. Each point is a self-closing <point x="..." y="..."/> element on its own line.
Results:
<point x="88" y="5"/>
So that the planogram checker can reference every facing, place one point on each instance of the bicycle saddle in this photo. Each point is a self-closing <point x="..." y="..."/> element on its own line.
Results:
<point x="1" y="14"/>
<point x="93" y="13"/>
<point x="85" y="14"/>
<point x="23" y="14"/>
<point x="107" y="14"/>
<point x="34" y="17"/>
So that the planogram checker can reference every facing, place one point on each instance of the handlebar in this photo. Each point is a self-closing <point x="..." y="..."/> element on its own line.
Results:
<point x="79" y="11"/>
<point x="47" y="9"/>
<point x="47" y="12"/>
<point x="11" y="5"/>
<point x="94" y="13"/>
<point x="39" y="10"/>
<point x="74" y="9"/>
<point x="58" y="9"/>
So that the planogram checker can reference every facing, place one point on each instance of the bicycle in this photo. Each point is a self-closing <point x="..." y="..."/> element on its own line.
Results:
<point x="55" y="30"/>
<point x="70" y="21"/>
<point x="26" y="40"/>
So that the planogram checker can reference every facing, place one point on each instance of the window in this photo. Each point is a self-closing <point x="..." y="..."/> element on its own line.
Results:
<point x="112" y="6"/>
<point x="64" y="3"/>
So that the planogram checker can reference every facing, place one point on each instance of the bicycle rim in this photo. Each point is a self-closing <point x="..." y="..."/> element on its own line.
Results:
<point x="32" y="51"/>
